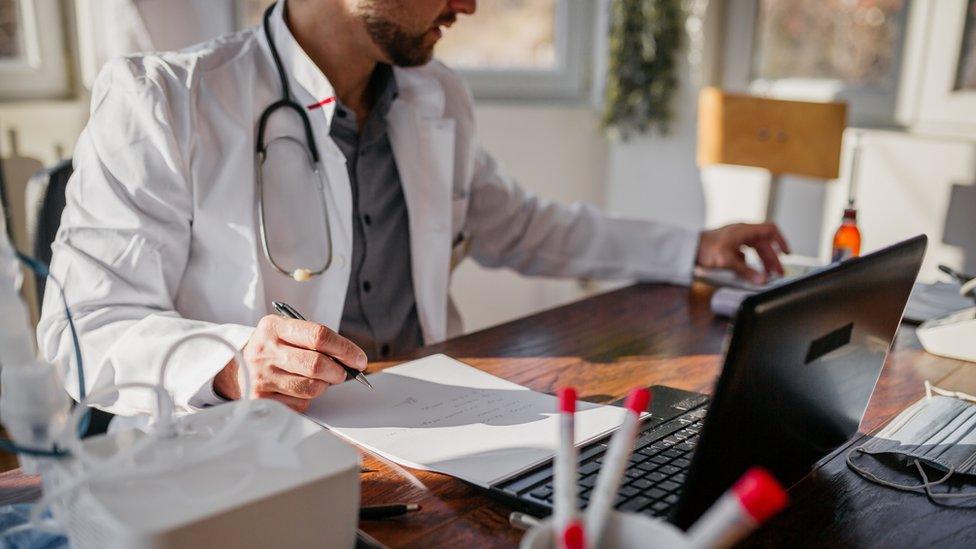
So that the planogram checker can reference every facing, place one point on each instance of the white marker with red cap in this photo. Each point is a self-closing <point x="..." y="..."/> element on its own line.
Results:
<point x="755" y="498"/>
<point x="564" y="500"/>
<point x="573" y="537"/>
<point x="614" y="463"/>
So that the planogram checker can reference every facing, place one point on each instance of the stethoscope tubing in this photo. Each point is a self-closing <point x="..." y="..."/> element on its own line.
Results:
<point x="311" y="149"/>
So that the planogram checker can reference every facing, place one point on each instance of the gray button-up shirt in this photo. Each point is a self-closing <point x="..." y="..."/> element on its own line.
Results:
<point x="380" y="314"/>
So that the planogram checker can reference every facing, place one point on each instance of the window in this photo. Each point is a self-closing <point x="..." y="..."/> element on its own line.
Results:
<point x="846" y="50"/>
<point x="966" y="69"/>
<point x="522" y="49"/>
<point x="943" y="99"/>
<point x="11" y="35"/>
<point x="510" y="49"/>
<point x="31" y="67"/>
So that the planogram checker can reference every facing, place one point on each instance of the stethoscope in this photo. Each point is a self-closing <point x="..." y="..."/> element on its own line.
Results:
<point x="299" y="274"/>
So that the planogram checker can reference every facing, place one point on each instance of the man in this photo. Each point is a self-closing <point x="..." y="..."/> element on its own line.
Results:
<point x="161" y="236"/>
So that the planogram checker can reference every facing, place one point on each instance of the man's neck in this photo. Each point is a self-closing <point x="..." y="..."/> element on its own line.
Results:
<point x="340" y="47"/>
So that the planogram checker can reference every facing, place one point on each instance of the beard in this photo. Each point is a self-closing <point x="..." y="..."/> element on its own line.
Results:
<point x="401" y="47"/>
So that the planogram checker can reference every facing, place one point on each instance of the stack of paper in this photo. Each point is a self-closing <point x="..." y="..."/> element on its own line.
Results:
<point x="442" y="415"/>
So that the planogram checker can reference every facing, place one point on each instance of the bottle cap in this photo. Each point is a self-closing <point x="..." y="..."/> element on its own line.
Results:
<point x="567" y="400"/>
<point x="760" y="494"/>
<point x="638" y="399"/>
<point x="850" y="213"/>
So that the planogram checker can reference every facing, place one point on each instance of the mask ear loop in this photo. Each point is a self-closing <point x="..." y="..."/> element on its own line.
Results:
<point x="925" y="487"/>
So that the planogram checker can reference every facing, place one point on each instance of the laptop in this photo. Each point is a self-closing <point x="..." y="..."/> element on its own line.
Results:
<point x="800" y="366"/>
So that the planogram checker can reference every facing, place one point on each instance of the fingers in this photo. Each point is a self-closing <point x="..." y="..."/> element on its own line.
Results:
<point x="738" y="264"/>
<point x="300" y="405"/>
<point x="768" y="242"/>
<point x="277" y="381"/>
<point x="309" y="335"/>
<point x="769" y="257"/>
<point x="310" y="364"/>
<point x="780" y="240"/>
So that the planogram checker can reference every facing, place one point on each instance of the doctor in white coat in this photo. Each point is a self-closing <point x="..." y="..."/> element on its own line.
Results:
<point x="161" y="236"/>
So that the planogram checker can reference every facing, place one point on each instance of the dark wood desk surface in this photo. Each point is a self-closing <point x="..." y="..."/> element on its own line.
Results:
<point x="654" y="335"/>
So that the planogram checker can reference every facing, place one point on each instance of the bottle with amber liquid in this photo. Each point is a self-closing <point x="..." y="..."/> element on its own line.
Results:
<point x="847" y="239"/>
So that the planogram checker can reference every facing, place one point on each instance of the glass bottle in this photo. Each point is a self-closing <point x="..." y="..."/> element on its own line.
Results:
<point x="847" y="239"/>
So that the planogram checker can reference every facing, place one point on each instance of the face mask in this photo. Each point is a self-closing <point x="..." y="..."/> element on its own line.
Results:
<point x="938" y="431"/>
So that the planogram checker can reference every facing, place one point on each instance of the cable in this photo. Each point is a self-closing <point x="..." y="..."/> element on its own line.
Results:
<point x="43" y="270"/>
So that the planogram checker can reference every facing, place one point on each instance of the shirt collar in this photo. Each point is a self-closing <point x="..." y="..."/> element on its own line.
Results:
<point x="299" y="68"/>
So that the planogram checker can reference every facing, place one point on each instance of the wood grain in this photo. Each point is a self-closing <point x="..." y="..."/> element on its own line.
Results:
<point x="645" y="335"/>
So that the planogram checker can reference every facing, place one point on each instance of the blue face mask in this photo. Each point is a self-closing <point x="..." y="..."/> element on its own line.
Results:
<point x="938" y="431"/>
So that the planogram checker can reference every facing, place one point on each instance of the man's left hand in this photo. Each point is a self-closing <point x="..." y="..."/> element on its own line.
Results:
<point x="722" y="248"/>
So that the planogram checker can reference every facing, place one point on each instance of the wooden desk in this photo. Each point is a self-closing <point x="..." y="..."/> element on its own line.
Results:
<point x="652" y="335"/>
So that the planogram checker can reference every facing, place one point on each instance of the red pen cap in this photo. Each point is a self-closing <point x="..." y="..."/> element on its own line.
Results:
<point x="567" y="400"/>
<point x="760" y="494"/>
<point x="638" y="399"/>
<point x="573" y="536"/>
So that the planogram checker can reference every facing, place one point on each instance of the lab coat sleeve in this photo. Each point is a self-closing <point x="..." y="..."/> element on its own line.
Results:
<point x="510" y="227"/>
<point x="123" y="245"/>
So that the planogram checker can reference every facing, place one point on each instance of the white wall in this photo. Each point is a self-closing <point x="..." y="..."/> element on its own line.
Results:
<point x="557" y="152"/>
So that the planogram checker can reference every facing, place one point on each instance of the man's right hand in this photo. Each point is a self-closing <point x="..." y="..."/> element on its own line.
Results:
<point x="291" y="361"/>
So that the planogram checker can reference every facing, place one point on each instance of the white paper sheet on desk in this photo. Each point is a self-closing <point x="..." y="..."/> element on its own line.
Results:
<point x="442" y="415"/>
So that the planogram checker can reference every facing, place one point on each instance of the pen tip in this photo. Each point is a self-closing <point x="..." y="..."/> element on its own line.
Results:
<point x="364" y="381"/>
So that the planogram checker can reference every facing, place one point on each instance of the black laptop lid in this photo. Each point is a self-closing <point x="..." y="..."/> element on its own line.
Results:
<point x="800" y="368"/>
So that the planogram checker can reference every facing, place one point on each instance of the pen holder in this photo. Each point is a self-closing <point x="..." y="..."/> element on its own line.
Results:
<point x="623" y="531"/>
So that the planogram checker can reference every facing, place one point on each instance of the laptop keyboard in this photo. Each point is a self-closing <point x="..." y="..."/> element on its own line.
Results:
<point x="653" y="481"/>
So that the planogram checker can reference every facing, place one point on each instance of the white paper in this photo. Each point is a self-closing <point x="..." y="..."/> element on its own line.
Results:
<point x="442" y="415"/>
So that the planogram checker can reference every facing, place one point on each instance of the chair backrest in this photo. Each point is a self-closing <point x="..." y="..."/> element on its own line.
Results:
<point x="784" y="137"/>
<point x="45" y="198"/>
<point x="45" y="202"/>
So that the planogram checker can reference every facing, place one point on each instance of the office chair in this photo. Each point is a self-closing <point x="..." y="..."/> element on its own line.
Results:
<point x="795" y="137"/>
<point x="45" y="197"/>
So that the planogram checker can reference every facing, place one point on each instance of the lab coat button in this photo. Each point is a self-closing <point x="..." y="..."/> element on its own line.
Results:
<point x="339" y="261"/>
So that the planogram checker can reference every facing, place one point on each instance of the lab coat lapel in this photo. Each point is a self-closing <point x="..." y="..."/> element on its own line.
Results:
<point x="423" y="145"/>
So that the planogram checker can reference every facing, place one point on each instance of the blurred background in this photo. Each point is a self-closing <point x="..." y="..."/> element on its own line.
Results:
<point x="558" y="70"/>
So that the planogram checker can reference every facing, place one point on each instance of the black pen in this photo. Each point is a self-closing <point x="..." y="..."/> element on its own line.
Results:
<point x="285" y="309"/>
<point x="377" y="512"/>
<point x="961" y="278"/>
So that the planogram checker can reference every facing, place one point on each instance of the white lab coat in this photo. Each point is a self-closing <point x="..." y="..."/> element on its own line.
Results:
<point x="160" y="238"/>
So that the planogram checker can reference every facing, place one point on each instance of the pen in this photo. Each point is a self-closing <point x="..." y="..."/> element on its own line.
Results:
<point x="617" y="457"/>
<point x="285" y="309"/>
<point x="961" y="278"/>
<point x="377" y="512"/>
<point x="522" y="521"/>
<point x="564" y="504"/>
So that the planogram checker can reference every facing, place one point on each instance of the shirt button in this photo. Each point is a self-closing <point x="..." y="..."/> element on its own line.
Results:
<point x="367" y="286"/>
<point x="385" y="350"/>
<point x="367" y="219"/>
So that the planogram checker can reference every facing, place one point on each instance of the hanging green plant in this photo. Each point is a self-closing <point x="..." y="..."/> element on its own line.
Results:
<point x="645" y="38"/>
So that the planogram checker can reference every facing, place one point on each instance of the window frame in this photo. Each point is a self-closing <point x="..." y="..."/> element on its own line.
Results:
<point x="41" y="72"/>
<point x="932" y="103"/>
<point x="869" y="106"/>
<point x="569" y="81"/>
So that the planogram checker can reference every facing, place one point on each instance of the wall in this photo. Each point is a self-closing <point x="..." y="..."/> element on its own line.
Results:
<point x="557" y="152"/>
